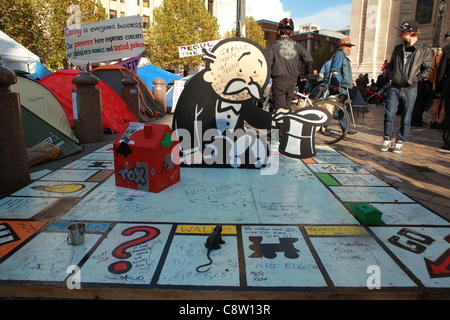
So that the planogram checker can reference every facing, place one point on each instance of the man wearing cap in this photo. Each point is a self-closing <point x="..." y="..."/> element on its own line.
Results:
<point x="411" y="62"/>
<point x="341" y="74"/>
<point x="285" y="61"/>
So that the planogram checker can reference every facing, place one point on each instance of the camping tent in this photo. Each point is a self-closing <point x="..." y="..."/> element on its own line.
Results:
<point x="41" y="101"/>
<point x="41" y="70"/>
<point x="15" y="56"/>
<point x="44" y="118"/>
<point x="149" y="73"/>
<point x="115" y="112"/>
<point x="113" y="76"/>
<point x="38" y="130"/>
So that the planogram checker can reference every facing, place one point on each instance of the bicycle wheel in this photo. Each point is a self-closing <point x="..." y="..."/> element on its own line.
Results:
<point x="338" y="127"/>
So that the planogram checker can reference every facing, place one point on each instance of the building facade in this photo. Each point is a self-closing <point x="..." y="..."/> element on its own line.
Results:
<point x="223" y="10"/>
<point x="309" y="35"/>
<point x="372" y="29"/>
<point x="123" y="8"/>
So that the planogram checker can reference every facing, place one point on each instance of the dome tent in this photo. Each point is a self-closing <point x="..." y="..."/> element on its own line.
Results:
<point x="115" y="112"/>
<point x="15" y="56"/>
<point x="43" y="117"/>
<point x="149" y="73"/>
<point x="113" y="76"/>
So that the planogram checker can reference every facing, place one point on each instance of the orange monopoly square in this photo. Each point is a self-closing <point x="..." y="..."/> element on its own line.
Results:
<point x="146" y="157"/>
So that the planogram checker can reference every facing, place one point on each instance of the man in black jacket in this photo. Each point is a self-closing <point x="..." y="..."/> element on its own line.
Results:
<point x="285" y="58"/>
<point x="411" y="62"/>
<point x="443" y="88"/>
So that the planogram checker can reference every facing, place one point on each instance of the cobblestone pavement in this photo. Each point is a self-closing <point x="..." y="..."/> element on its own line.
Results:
<point x="421" y="171"/>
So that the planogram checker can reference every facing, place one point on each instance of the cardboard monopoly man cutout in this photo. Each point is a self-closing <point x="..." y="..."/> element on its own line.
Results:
<point x="215" y="104"/>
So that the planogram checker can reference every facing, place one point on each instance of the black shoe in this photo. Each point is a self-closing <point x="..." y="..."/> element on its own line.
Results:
<point x="440" y="126"/>
<point x="433" y="125"/>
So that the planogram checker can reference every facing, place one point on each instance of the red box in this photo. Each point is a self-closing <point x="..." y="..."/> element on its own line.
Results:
<point x="146" y="158"/>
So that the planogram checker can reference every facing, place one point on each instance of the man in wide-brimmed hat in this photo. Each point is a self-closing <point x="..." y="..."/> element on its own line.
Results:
<point x="341" y="75"/>
<point x="411" y="62"/>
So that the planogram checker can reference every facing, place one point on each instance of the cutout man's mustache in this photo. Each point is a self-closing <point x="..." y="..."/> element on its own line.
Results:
<point x="238" y="85"/>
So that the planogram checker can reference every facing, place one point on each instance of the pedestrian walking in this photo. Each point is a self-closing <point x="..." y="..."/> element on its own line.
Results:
<point x="411" y="62"/>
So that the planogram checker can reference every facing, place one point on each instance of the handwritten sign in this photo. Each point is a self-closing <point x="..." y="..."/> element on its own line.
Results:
<point x="279" y="256"/>
<point x="196" y="49"/>
<point x="105" y="40"/>
<point x="131" y="64"/>
<point x="335" y="231"/>
<point x="197" y="229"/>
<point x="178" y="87"/>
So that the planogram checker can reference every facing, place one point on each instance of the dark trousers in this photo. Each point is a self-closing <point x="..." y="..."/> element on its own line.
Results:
<point x="282" y="92"/>
<point x="423" y="95"/>
<point x="446" y="134"/>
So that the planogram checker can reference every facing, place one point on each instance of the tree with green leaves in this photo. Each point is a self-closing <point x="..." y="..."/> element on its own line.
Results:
<point x="323" y="54"/>
<point x="53" y="16"/>
<point x="252" y="31"/>
<point x="178" y="23"/>
<point x="19" y="20"/>
<point x="39" y="25"/>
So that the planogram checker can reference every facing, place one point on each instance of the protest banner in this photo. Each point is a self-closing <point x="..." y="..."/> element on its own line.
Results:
<point x="196" y="49"/>
<point x="105" y="40"/>
<point x="131" y="64"/>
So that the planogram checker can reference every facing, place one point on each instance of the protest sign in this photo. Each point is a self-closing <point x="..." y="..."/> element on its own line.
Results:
<point x="131" y="64"/>
<point x="196" y="49"/>
<point x="105" y="40"/>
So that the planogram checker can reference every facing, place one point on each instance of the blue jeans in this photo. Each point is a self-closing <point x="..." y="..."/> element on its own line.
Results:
<point x="405" y="97"/>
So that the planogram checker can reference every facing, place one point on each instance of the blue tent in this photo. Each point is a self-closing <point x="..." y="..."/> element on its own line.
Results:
<point x="41" y="70"/>
<point x="149" y="73"/>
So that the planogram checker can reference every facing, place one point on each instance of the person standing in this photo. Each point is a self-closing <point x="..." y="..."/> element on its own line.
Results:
<point x="341" y="75"/>
<point x="411" y="62"/>
<point x="443" y="89"/>
<point x="437" y="107"/>
<point x="361" y="84"/>
<point x="382" y="80"/>
<point x="285" y="60"/>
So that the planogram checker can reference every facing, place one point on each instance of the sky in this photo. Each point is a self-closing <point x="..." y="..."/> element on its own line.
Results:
<point x="328" y="14"/>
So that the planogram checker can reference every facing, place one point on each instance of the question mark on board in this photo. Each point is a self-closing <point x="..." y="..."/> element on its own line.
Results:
<point x="120" y="252"/>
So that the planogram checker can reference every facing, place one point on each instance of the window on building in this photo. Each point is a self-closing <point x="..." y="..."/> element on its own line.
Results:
<point x="266" y="36"/>
<point x="138" y="2"/>
<point x="122" y="14"/>
<point x="112" y="14"/>
<point x="122" y="1"/>
<point x="145" y="3"/>
<point x="211" y="6"/>
<point x="424" y="11"/>
<point x="146" y="20"/>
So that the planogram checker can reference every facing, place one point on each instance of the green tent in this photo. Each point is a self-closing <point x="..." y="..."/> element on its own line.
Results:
<point x="37" y="130"/>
